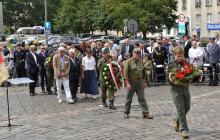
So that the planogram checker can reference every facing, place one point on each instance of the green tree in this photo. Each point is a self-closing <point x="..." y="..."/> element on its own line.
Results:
<point x="28" y="12"/>
<point x="151" y="15"/>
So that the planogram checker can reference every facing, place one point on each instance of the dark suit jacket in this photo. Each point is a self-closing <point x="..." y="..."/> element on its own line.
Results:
<point x="161" y="58"/>
<point x="74" y="69"/>
<point x="123" y="51"/>
<point x="42" y="59"/>
<point x="32" y="66"/>
<point x="186" y="49"/>
<point x="145" y="51"/>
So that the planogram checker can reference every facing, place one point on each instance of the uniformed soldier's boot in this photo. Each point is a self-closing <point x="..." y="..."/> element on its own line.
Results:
<point x="104" y="102"/>
<point x="111" y="106"/>
<point x="176" y="125"/>
<point x="185" y="134"/>
<point x="147" y="116"/>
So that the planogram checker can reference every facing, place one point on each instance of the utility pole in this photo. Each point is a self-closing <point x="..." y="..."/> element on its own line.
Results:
<point x="45" y="11"/>
<point x="1" y="19"/>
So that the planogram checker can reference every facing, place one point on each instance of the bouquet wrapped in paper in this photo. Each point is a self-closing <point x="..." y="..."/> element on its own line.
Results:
<point x="184" y="73"/>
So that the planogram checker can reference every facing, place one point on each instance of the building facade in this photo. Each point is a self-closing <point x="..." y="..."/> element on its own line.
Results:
<point x="199" y="13"/>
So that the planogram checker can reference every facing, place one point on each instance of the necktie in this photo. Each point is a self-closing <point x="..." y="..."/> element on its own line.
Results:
<point x="142" y="53"/>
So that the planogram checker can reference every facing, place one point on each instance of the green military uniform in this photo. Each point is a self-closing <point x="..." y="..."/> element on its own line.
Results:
<point x="50" y="72"/>
<point x="148" y="66"/>
<point x="135" y="75"/>
<point x="101" y="62"/>
<point x="181" y="98"/>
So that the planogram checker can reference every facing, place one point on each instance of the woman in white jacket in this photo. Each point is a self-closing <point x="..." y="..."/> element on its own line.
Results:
<point x="196" y="54"/>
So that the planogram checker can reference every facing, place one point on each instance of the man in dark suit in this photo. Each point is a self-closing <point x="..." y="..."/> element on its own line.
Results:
<point x="42" y="69"/>
<point x="187" y="46"/>
<point x="74" y="73"/>
<point x="126" y="49"/>
<point x="19" y="61"/>
<point x="143" y="49"/>
<point x="32" y="61"/>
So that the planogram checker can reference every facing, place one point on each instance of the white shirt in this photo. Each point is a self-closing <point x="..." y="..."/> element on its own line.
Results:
<point x="218" y="42"/>
<point x="150" y="49"/>
<point x="88" y="63"/>
<point x="127" y="48"/>
<point x="35" y="58"/>
<point x="186" y="43"/>
<point x="115" y="49"/>
<point x="196" y="56"/>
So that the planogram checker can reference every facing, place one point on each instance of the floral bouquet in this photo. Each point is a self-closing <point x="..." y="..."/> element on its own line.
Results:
<point x="4" y="75"/>
<point x="184" y="74"/>
<point x="112" y="76"/>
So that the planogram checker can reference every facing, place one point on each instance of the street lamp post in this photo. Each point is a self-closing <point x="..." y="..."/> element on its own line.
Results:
<point x="1" y="19"/>
<point x="45" y="11"/>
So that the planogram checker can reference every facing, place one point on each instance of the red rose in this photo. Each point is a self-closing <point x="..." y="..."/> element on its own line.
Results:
<point x="188" y="70"/>
<point x="180" y="75"/>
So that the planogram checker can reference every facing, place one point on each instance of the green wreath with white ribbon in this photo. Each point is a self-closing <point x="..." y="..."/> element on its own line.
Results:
<point x="112" y="76"/>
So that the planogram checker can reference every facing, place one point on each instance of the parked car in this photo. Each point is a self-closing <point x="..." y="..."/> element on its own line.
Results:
<point x="11" y="38"/>
<point x="2" y="38"/>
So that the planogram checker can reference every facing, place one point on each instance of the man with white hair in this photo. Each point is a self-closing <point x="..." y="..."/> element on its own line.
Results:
<point x="61" y="67"/>
<point x="32" y="62"/>
<point x="74" y="73"/>
<point x="217" y="38"/>
<point x="127" y="49"/>
<point x="115" y="48"/>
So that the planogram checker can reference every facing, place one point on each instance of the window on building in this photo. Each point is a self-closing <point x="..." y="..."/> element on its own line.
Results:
<point x="198" y="18"/>
<point x="209" y="17"/>
<point x="208" y="2"/>
<point x="197" y="3"/>
<point x="218" y="2"/>
<point x="183" y="4"/>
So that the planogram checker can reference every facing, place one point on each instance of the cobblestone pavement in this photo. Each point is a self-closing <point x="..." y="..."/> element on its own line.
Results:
<point x="43" y="118"/>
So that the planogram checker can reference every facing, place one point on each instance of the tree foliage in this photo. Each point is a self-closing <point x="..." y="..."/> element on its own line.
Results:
<point x="28" y="12"/>
<point x="82" y="16"/>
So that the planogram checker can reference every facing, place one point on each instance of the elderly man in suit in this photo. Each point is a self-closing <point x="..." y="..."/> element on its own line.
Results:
<point x="74" y="73"/>
<point x="32" y="61"/>
<point x="213" y="57"/>
<point x="143" y="49"/>
<point x="61" y="67"/>
<point x="126" y="49"/>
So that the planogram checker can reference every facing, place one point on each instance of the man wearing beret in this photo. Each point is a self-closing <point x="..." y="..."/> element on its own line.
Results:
<point x="135" y="77"/>
<point x="105" y="60"/>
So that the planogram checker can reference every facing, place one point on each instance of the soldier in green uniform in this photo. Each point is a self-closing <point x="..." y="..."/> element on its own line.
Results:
<point x="135" y="77"/>
<point x="50" y="73"/>
<point x="180" y="94"/>
<point x="104" y="60"/>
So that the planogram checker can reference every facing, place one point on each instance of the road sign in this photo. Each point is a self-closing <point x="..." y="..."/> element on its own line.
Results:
<point x="213" y="26"/>
<point x="132" y="26"/>
<point x="181" y="18"/>
<point x="182" y="28"/>
<point x="47" y="26"/>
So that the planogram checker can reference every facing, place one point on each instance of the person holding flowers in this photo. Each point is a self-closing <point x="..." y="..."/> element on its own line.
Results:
<point x="105" y="79"/>
<point x="181" y="74"/>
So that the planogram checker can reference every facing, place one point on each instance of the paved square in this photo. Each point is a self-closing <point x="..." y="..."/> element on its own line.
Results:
<point x="43" y="118"/>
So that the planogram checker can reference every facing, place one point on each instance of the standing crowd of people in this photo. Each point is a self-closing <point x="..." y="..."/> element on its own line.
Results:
<point x="67" y="67"/>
